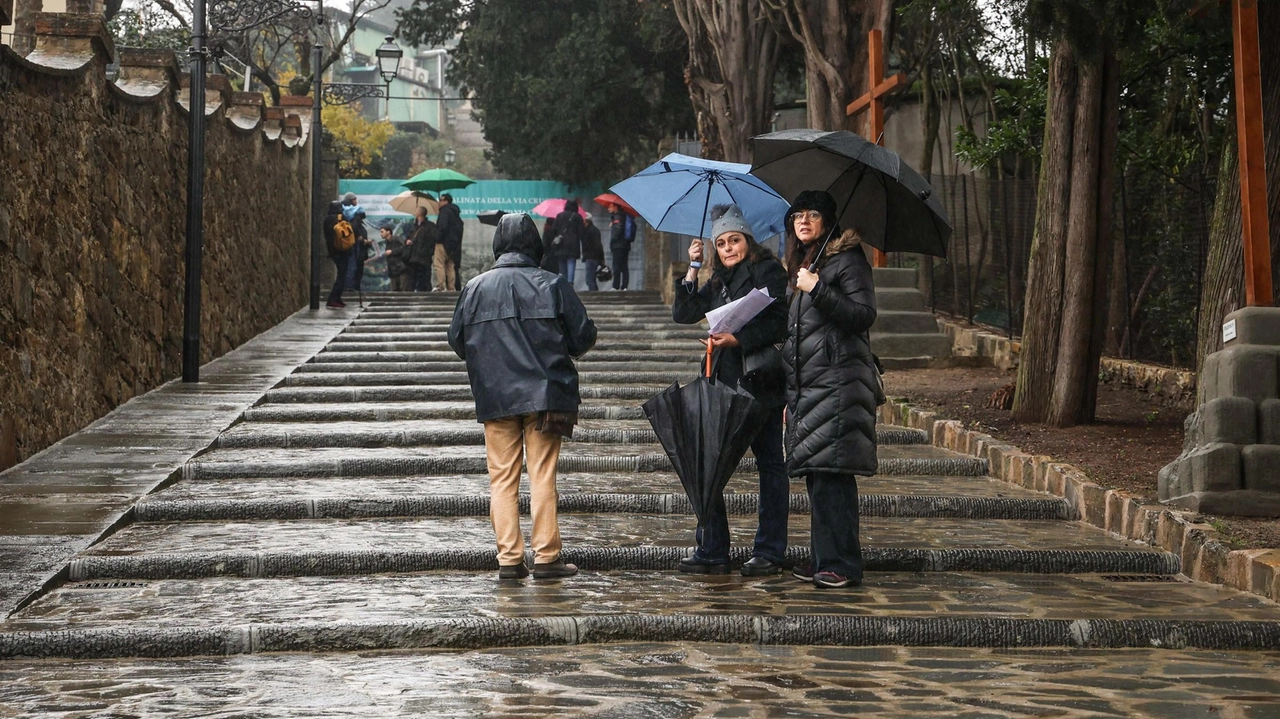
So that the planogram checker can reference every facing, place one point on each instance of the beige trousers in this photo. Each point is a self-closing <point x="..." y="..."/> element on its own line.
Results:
<point x="442" y="263"/>
<point x="509" y="442"/>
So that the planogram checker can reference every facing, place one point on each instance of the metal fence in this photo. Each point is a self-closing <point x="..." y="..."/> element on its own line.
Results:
<point x="1161" y="233"/>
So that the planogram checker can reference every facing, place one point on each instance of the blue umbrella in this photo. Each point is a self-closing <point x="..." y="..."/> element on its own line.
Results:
<point x="675" y="193"/>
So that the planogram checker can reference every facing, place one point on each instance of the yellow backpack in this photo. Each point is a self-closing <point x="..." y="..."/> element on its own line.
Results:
<point x="344" y="237"/>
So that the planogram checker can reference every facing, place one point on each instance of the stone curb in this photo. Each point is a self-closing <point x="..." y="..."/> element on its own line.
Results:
<point x="464" y="505"/>
<point x="377" y="378"/>
<point x="471" y="435"/>
<point x="196" y="565"/>
<point x="428" y="394"/>
<point x="435" y="466"/>
<point x="816" y="630"/>
<point x="1204" y="557"/>
<point x="299" y="412"/>
<point x="685" y="364"/>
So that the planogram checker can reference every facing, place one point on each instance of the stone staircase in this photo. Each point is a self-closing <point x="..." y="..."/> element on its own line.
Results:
<point x="905" y="335"/>
<point x="346" y="515"/>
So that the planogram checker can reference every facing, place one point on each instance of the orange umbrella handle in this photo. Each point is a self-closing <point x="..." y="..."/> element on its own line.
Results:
<point x="709" y="348"/>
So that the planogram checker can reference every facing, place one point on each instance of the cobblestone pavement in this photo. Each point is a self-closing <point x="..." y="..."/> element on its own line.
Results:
<point x="334" y="543"/>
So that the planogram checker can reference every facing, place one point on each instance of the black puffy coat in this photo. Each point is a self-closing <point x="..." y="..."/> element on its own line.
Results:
<point x="449" y="224"/>
<point x="518" y="327"/>
<point x="569" y="228"/>
<point x="767" y="328"/>
<point x="831" y="385"/>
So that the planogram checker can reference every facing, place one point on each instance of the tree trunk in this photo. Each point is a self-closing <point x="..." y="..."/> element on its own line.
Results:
<point x="1223" y="288"/>
<point x="1117" y="312"/>
<point x="1269" y="27"/>
<point x="1105" y="253"/>
<point x="24" y="25"/>
<point x="932" y="122"/>
<point x="1043" y="314"/>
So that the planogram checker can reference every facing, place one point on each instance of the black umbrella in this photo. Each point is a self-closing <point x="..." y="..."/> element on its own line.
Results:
<point x="705" y="429"/>
<point x="887" y="202"/>
<point x="490" y="217"/>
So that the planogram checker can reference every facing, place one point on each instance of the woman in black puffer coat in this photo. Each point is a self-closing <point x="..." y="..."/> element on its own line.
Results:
<point x="740" y="265"/>
<point x="831" y="387"/>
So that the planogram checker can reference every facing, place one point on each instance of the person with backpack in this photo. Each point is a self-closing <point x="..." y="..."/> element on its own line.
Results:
<point x="340" y="239"/>
<point x="622" y="232"/>
<point x="354" y="214"/>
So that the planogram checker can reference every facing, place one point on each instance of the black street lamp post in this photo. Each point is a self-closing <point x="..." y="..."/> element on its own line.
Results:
<point x="389" y="54"/>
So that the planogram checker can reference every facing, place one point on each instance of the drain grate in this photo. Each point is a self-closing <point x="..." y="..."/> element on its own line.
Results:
<point x="1138" y="578"/>
<point x="108" y="585"/>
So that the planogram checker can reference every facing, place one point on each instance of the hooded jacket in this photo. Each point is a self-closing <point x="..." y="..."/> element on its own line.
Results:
<point x="518" y="327"/>
<point x="449" y="223"/>
<point x="831" y="385"/>
<point x="592" y="248"/>
<point x="569" y="227"/>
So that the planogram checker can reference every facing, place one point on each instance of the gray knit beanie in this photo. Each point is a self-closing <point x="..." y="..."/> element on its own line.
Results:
<point x="728" y="218"/>
<point x="349" y="197"/>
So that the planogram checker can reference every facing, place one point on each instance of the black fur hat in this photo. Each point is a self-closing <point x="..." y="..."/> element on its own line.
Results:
<point x="819" y="200"/>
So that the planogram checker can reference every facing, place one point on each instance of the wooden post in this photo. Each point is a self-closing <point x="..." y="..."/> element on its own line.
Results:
<point x="1253" y="171"/>
<point x="878" y="88"/>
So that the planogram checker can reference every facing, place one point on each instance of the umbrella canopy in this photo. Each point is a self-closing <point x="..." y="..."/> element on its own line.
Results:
<point x="675" y="193"/>
<point x="609" y="198"/>
<point x="438" y="179"/>
<point x="554" y="206"/>
<point x="490" y="217"/>
<point x="705" y="430"/>
<point x="887" y="202"/>
<point x="409" y="201"/>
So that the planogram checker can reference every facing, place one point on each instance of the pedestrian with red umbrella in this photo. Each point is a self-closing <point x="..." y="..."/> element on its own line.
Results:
<point x="622" y="233"/>
<point x="566" y="240"/>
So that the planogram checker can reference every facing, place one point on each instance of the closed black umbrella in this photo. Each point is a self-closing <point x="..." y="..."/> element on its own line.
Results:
<point x="705" y="429"/>
<point x="887" y="202"/>
<point x="490" y="217"/>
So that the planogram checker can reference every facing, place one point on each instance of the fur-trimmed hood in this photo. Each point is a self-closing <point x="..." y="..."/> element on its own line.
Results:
<point x="847" y="240"/>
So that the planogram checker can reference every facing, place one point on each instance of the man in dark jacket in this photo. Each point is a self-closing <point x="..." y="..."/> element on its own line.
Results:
<point x="622" y="232"/>
<point x="341" y="258"/>
<point x="449" y="224"/>
<point x="396" y="253"/>
<point x="566" y="239"/>
<point x="518" y="327"/>
<point x="592" y="252"/>
<point x="422" y="248"/>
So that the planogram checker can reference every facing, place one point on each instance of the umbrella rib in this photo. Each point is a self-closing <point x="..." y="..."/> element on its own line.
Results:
<point x="681" y="197"/>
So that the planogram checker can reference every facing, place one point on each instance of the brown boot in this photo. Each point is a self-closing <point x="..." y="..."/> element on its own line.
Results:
<point x="554" y="570"/>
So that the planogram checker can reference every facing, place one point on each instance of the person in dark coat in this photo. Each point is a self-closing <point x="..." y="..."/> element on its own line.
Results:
<point x="739" y="265"/>
<point x="831" y="384"/>
<point x="341" y="258"/>
<point x="397" y="254"/>
<point x="353" y="213"/>
<point x="549" y="261"/>
<point x="449" y="224"/>
<point x="622" y="232"/>
<point x="519" y="328"/>
<point x="566" y="240"/>
<point x="422" y="250"/>
<point x="592" y="252"/>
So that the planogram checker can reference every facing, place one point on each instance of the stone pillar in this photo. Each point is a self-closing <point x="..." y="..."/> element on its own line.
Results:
<point x="217" y="91"/>
<point x="147" y="72"/>
<point x="1230" y="463"/>
<point x="274" y="122"/>
<point x="24" y="24"/>
<point x="68" y="41"/>
<point x="245" y="110"/>
<point x="6" y="12"/>
<point x="298" y="106"/>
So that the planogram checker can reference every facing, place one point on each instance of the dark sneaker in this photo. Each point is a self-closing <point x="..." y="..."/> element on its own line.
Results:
<point x="803" y="572"/>
<point x="333" y="305"/>
<point x="513" y="571"/>
<point x="760" y="567"/>
<point x="831" y="580"/>
<point x="554" y="570"/>
<point x="693" y="565"/>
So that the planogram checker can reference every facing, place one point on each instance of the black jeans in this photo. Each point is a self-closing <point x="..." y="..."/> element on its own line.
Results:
<point x="341" y="262"/>
<point x="775" y="495"/>
<point x="620" y="273"/>
<point x="833" y="518"/>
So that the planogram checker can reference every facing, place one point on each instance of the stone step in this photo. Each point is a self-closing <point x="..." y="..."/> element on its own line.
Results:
<point x="896" y="299"/>
<point x="640" y="393"/>
<point x="574" y="457"/>
<point x="459" y="595"/>
<point x="624" y="316"/>
<point x="910" y="345"/>
<point x="664" y="332"/>
<point x="477" y="505"/>
<point x="669" y="362"/>
<point x="684" y="352"/>
<point x="597" y="379"/>
<point x="905" y="323"/>
<point x="596" y="542"/>
<point x="391" y="411"/>
<point x="447" y="432"/>
<point x="254" y="488"/>
<point x="894" y="277"/>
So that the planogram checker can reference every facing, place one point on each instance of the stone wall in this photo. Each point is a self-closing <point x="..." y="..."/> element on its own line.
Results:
<point x="92" y="227"/>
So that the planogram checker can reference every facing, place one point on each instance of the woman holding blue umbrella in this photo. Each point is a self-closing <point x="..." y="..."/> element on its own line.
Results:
<point x="739" y="265"/>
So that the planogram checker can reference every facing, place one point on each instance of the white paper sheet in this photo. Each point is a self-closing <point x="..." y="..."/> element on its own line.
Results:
<point x="734" y="316"/>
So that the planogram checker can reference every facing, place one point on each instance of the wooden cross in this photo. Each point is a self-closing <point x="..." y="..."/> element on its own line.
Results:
<point x="1253" y="171"/>
<point x="879" y="87"/>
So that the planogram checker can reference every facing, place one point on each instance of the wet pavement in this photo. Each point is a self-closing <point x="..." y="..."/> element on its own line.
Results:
<point x="323" y="501"/>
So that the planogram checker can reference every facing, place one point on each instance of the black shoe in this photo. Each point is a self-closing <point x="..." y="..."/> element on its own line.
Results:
<point x="693" y="565"/>
<point x="513" y="571"/>
<point x="554" y="570"/>
<point x="831" y="580"/>
<point x="760" y="567"/>
<point x="803" y="572"/>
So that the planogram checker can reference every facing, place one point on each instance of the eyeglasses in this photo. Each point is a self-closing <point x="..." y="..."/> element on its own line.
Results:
<point x="810" y="215"/>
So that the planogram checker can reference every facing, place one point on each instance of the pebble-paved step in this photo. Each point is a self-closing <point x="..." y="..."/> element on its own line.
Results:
<point x="603" y="336"/>
<point x="467" y="459"/>
<point x="684" y="355"/>
<point x="448" y="432"/>
<point x="442" y="377"/>
<point x="388" y="411"/>
<point x="441" y="346"/>
<point x="441" y="392"/>
<point x="390" y="598"/>
<point x="623" y="318"/>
